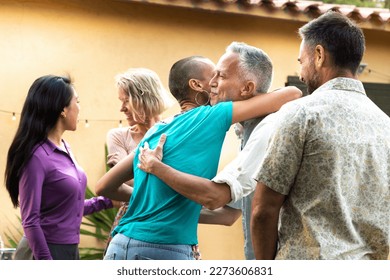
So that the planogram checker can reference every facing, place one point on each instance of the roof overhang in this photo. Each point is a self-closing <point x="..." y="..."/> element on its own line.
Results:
<point x="301" y="11"/>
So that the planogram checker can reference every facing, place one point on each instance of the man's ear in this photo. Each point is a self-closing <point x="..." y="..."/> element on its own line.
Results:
<point x="319" y="56"/>
<point x="248" y="90"/>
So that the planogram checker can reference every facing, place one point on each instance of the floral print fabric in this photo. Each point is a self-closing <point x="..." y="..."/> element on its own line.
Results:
<point x="330" y="156"/>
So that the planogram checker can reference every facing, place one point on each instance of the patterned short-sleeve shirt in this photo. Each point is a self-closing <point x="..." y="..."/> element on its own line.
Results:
<point x="330" y="156"/>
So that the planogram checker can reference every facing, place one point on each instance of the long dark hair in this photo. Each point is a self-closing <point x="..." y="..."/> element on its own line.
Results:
<point x="46" y="99"/>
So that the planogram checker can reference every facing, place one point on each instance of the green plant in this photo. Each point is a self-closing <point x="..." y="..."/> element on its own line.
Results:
<point x="13" y="236"/>
<point x="100" y="224"/>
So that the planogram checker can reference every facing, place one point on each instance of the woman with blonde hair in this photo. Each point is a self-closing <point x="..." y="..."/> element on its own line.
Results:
<point x="143" y="99"/>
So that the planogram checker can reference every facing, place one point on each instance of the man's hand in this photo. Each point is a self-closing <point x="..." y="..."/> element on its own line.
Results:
<point x="148" y="158"/>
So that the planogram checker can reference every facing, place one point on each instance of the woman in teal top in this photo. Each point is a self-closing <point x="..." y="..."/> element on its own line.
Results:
<point x="156" y="212"/>
<point x="160" y="223"/>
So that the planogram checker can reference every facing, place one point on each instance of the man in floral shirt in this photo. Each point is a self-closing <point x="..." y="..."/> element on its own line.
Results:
<point x="323" y="188"/>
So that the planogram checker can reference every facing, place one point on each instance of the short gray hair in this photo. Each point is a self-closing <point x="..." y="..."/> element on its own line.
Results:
<point x="255" y="65"/>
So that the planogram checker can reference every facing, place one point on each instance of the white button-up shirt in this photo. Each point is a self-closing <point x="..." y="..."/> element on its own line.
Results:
<point x="239" y="173"/>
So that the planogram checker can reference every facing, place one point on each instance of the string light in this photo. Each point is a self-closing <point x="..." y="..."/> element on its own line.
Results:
<point x="87" y="122"/>
<point x="371" y="71"/>
<point x="13" y="114"/>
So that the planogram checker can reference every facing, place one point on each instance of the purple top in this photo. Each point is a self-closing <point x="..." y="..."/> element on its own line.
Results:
<point x="52" y="199"/>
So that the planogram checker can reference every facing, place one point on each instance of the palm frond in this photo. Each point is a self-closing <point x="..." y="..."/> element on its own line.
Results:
<point x="91" y="253"/>
<point x="14" y="235"/>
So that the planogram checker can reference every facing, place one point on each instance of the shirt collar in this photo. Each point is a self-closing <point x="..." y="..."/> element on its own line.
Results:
<point x="50" y="147"/>
<point x="245" y="128"/>
<point x="344" y="84"/>
<point x="251" y="122"/>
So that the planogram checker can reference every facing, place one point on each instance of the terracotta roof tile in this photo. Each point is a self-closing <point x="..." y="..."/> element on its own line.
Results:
<point x="373" y="18"/>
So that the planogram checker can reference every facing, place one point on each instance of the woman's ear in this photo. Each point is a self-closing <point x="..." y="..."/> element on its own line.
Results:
<point x="195" y="84"/>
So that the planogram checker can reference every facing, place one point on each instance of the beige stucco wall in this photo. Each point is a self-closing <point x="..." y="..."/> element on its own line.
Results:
<point x="93" y="40"/>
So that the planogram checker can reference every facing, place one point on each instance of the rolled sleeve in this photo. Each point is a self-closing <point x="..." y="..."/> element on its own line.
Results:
<point x="228" y="177"/>
<point x="240" y="172"/>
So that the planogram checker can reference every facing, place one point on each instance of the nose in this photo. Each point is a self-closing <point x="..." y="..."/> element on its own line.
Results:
<point x="213" y="82"/>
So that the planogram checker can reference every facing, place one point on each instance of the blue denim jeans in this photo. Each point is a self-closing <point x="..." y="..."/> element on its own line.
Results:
<point x="123" y="248"/>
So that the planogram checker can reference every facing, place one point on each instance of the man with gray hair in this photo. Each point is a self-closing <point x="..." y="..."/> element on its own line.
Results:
<point x="241" y="73"/>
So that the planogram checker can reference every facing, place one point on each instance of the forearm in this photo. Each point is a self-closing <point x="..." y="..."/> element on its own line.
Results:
<point x="284" y="95"/>
<point x="226" y="216"/>
<point x="264" y="232"/>
<point x="266" y="206"/>
<point x="203" y="191"/>
<point x="263" y="104"/>
<point x="121" y="193"/>
<point x="37" y="242"/>
<point x="112" y="184"/>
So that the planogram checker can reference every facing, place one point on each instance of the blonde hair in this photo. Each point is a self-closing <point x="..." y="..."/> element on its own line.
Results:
<point x="147" y="96"/>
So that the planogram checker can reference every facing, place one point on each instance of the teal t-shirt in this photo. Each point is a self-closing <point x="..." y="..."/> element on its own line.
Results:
<point x="157" y="213"/>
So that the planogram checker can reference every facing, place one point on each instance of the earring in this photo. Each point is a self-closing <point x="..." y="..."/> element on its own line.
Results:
<point x="196" y="97"/>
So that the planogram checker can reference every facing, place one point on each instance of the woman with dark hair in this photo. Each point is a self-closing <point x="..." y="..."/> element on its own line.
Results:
<point x="42" y="175"/>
